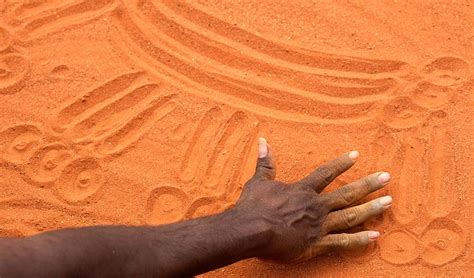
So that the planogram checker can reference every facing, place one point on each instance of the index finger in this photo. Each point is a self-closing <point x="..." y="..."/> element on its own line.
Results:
<point x="326" y="173"/>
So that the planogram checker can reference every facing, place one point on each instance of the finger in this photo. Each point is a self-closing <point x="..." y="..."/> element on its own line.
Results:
<point x="339" y="242"/>
<point x="348" y="194"/>
<point x="326" y="173"/>
<point x="351" y="217"/>
<point x="265" y="169"/>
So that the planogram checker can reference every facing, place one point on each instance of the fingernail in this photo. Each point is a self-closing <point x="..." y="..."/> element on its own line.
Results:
<point x="354" y="155"/>
<point x="384" y="177"/>
<point x="386" y="201"/>
<point x="373" y="235"/>
<point x="262" y="147"/>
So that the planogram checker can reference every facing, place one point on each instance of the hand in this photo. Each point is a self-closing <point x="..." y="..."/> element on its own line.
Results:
<point x="304" y="221"/>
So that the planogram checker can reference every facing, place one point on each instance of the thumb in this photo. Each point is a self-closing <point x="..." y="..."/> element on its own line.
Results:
<point x="266" y="168"/>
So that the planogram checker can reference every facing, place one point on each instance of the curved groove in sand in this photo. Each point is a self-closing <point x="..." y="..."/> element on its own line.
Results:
<point x="153" y="58"/>
<point x="134" y="128"/>
<point x="194" y="157"/>
<point x="166" y="204"/>
<point x="442" y="196"/>
<point x="47" y="164"/>
<point x="80" y="181"/>
<point x="430" y="96"/>
<point x="274" y="50"/>
<point x="447" y="71"/>
<point x="5" y="38"/>
<point x="92" y="101"/>
<point x="227" y="84"/>
<point x="18" y="143"/>
<point x="214" y="160"/>
<point x="399" y="247"/>
<point x="411" y="180"/>
<point x="219" y="58"/>
<point x="14" y="69"/>
<point x="112" y="116"/>
<point x="401" y="113"/>
<point x="444" y="241"/>
<point x="49" y="20"/>
<point x="227" y="151"/>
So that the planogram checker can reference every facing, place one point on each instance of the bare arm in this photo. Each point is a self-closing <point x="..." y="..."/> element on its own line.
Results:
<point x="180" y="249"/>
<point x="271" y="220"/>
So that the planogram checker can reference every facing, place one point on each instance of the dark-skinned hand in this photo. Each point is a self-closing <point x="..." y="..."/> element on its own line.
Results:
<point x="304" y="221"/>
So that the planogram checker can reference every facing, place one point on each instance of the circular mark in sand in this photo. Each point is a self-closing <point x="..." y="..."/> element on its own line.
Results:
<point x="165" y="205"/>
<point x="19" y="142"/>
<point x="47" y="163"/>
<point x="399" y="247"/>
<point x="80" y="181"/>
<point x="444" y="241"/>
<point x="13" y="70"/>
<point x="205" y="206"/>
<point x="5" y="39"/>
<point x="446" y="71"/>
<point x="402" y="113"/>
<point x="430" y="96"/>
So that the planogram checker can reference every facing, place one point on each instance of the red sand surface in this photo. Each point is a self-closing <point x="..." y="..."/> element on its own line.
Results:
<point x="148" y="112"/>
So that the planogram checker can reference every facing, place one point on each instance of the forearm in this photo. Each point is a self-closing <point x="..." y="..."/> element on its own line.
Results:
<point x="208" y="243"/>
<point x="185" y="248"/>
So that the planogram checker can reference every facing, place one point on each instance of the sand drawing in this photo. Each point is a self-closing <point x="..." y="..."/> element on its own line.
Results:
<point x="80" y="181"/>
<point x="14" y="66"/>
<point x="23" y="22"/>
<point x="174" y="52"/>
<point x="33" y="19"/>
<point x="99" y="123"/>
<point x="186" y="45"/>
<point x="166" y="204"/>
<point x="19" y="142"/>
<point x="399" y="247"/>
<point x="13" y="73"/>
<point x="424" y="170"/>
<point x="207" y="63"/>
<point x="213" y="167"/>
<point x="443" y="241"/>
<point x="46" y="164"/>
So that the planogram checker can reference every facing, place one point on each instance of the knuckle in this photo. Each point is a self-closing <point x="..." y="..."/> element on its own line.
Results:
<point x="343" y="241"/>
<point x="367" y="183"/>
<point x="325" y="173"/>
<point x="346" y="194"/>
<point x="264" y="163"/>
<point x="349" y="217"/>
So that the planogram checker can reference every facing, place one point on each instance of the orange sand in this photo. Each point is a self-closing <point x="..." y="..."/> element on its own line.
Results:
<point x="135" y="112"/>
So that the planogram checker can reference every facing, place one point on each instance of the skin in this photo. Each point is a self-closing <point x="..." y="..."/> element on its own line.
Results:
<point x="272" y="220"/>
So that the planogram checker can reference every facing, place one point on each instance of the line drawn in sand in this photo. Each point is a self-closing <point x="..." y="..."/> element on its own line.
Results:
<point x="214" y="167"/>
<point x="97" y="125"/>
<point x="85" y="132"/>
<point x="224" y="68"/>
<point x="35" y="19"/>
<point x="24" y="22"/>
<point x="415" y="135"/>
<point x="14" y="67"/>
<point x="187" y="51"/>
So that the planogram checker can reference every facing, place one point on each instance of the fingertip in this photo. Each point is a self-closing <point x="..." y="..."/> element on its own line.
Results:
<point x="353" y="155"/>
<point x="262" y="147"/>
<point x="386" y="201"/>
<point x="373" y="235"/>
<point x="384" y="177"/>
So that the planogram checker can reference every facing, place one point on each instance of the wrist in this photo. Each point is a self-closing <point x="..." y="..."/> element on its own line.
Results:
<point x="251" y="232"/>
